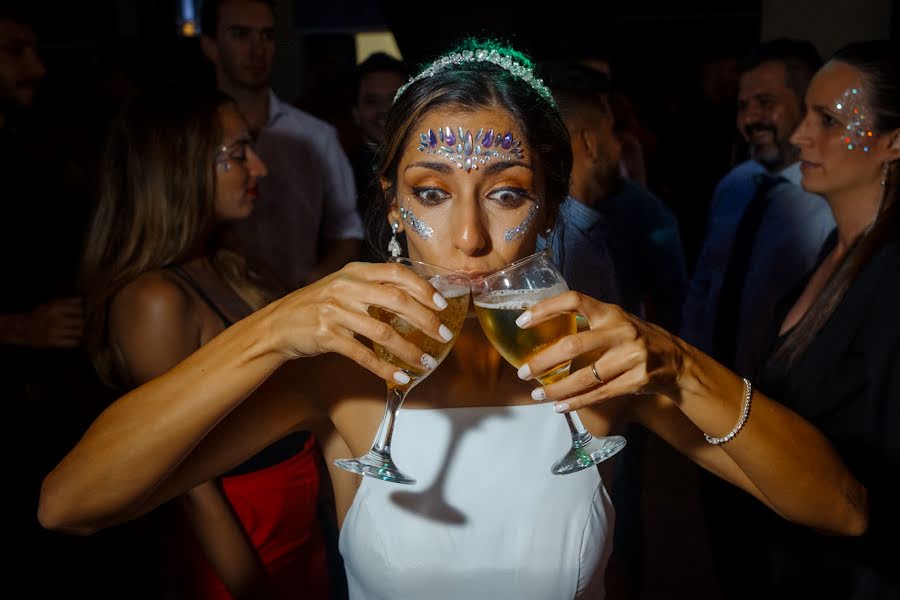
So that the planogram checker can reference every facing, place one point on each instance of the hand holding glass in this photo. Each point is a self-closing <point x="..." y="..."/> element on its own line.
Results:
<point x="499" y="300"/>
<point x="454" y="287"/>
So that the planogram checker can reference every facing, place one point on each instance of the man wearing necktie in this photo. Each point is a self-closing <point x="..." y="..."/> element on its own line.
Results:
<point x="763" y="236"/>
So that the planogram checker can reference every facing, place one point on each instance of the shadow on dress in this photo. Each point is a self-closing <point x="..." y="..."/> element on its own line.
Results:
<point x="430" y="503"/>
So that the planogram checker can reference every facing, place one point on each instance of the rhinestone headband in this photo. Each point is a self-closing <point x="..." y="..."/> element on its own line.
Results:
<point x="519" y="70"/>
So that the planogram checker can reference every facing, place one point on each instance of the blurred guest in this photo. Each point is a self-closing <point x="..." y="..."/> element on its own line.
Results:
<point x="306" y="224"/>
<point x="765" y="232"/>
<point x="377" y="80"/>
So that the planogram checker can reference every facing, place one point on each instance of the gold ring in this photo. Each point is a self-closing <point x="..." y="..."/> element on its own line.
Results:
<point x="596" y="374"/>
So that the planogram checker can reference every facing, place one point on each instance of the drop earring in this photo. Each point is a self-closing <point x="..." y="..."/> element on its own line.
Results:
<point x="394" y="245"/>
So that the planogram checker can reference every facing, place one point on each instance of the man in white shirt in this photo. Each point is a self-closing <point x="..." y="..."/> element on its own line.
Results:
<point x="305" y="224"/>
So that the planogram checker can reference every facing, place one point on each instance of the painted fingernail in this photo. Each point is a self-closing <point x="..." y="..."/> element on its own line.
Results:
<point x="524" y="371"/>
<point x="524" y="319"/>
<point x="428" y="361"/>
<point x="401" y="377"/>
<point x="561" y="407"/>
<point x="439" y="301"/>
<point x="445" y="333"/>
<point x="538" y="394"/>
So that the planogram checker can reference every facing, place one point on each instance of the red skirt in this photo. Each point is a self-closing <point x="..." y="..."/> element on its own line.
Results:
<point x="277" y="507"/>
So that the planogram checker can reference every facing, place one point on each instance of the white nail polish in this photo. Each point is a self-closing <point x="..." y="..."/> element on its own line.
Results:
<point x="524" y="319"/>
<point x="561" y="407"/>
<point x="524" y="371"/>
<point x="439" y="301"/>
<point x="445" y="333"/>
<point x="538" y="394"/>
<point x="428" y="361"/>
<point x="401" y="377"/>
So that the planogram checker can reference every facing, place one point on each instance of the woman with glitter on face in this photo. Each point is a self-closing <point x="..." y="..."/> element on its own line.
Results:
<point x="474" y="168"/>
<point x="837" y="358"/>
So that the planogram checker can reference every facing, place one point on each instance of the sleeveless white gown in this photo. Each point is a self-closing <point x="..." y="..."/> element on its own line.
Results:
<point x="486" y="519"/>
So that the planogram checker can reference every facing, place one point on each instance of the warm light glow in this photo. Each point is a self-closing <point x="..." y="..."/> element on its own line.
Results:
<point x="369" y="42"/>
<point x="189" y="29"/>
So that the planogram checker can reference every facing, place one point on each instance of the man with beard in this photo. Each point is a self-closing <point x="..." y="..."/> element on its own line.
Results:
<point x="764" y="235"/>
<point x="764" y="231"/>
<point x="305" y="224"/>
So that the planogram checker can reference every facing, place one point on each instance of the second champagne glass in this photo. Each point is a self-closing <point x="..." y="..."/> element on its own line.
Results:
<point x="454" y="287"/>
<point x="499" y="300"/>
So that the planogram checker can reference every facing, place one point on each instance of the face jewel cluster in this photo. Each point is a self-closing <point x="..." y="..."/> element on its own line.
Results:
<point x="420" y="227"/>
<point x="467" y="150"/>
<point x="852" y="105"/>
<point x="521" y="71"/>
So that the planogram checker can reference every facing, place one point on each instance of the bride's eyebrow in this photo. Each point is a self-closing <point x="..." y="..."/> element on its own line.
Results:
<point x="496" y="167"/>
<point x="440" y="167"/>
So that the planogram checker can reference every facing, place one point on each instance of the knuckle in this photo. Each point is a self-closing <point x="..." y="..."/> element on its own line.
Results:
<point x="394" y="296"/>
<point x="571" y="345"/>
<point x="382" y="332"/>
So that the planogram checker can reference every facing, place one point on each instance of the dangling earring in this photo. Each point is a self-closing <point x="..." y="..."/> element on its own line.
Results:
<point x="394" y="246"/>
<point x="884" y="174"/>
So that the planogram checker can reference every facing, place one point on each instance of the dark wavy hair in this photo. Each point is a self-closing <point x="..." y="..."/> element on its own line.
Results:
<point x="470" y="86"/>
<point x="878" y="63"/>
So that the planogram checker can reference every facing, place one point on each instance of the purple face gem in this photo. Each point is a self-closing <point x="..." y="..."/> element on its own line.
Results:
<point x="432" y="141"/>
<point x="449" y="137"/>
<point x="467" y="145"/>
<point x="488" y="138"/>
<point x="506" y="142"/>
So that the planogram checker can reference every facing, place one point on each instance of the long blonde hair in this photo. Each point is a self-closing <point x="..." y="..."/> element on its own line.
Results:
<point x="156" y="206"/>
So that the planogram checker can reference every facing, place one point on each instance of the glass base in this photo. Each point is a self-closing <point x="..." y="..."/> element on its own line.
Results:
<point x="377" y="465"/>
<point x="587" y="454"/>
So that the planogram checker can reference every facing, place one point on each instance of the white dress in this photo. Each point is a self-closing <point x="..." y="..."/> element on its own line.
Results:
<point x="486" y="519"/>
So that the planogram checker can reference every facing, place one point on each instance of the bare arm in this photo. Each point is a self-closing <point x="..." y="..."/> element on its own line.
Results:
<point x="225" y="543"/>
<point x="202" y="417"/>
<point x="778" y="456"/>
<point x="155" y="325"/>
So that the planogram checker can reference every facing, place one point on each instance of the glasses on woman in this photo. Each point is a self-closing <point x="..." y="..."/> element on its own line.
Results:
<point x="454" y="287"/>
<point x="499" y="300"/>
<point x="235" y="152"/>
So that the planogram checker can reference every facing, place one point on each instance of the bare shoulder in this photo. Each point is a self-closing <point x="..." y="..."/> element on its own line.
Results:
<point x="154" y="324"/>
<point x="151" y="297"/>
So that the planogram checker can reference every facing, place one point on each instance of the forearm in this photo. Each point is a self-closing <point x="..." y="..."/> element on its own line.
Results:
<point x="224" y="542"/>
<point x="142" y="437"/>
<point x="789" y="461"/>
<point x="335" y="255"/>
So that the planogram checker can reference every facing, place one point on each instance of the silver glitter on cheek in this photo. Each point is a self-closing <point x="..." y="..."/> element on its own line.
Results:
<point x="420" y="227"/>
<point x="852" y="106"/>
<point x="515" y="233"/>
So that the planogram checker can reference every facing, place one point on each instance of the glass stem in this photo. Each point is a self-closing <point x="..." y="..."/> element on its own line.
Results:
<point x="382" y="443"/>
<point x="580" y="435"/>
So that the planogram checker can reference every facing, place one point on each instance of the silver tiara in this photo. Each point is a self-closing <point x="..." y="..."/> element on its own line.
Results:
<point x="524" y="73"/>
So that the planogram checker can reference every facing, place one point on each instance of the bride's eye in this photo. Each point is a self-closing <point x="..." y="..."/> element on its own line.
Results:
<point x="430" y="196"/>
<point x="509" y="197"/>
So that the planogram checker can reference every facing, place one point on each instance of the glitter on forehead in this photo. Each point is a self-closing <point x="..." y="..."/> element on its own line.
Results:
<point x="852" y="105"/>
<point x="467" y="150"/>
<point x="516" y="232"/>
<point x="420" y="227"/>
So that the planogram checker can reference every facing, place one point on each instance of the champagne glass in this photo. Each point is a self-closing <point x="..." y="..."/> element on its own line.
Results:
<point x="454" y="287"/>
<point x="499" y="300"/>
